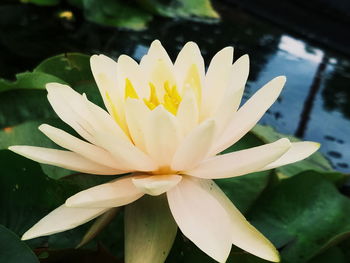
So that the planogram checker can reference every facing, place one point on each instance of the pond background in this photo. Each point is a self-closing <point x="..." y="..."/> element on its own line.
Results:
<point x="314" y="104"/>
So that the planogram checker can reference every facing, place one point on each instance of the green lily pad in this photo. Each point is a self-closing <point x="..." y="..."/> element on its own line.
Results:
<point x="13" y="250"/>
<point x="41" y="2"/>
<point x="116" y="13"/>
<point x="181" y="8"/>
<point x="72" y="68"/>
<point x="302" y="215"/>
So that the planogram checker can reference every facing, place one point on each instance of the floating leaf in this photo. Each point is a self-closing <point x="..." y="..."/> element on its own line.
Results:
<point x="116" y="13"/>
<point x="181" y="8"/>
<point x="42" y="2"/>
<point x="302" y="215"/>
<point x="13" y="250"/>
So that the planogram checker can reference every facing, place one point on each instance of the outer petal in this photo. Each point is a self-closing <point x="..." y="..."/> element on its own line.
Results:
<point x="61" y="219"/>
<point x="241" y="162"/>
<point x="150" y="230"/>
<point x="194" y="148"/>
<point x="297" y="152"/>
<point x="63" y="106"/>
<point x="87" y="150"/>
<point x="244" y="235"/>
<point x="64" y="159"/>
<point x="249" y="114"/>
<point x="116" y="193"/>
<point x="201" y="218"/>
<point x="163" y="136"/>
<point x="156" y="184"/>
<point x="82" y="115"/>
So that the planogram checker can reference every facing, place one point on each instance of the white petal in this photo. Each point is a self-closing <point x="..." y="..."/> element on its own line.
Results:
<point x="244" y="235"/>
<point x="232" y="96"/>
<point x="157" y="51"/>
<point x="297" y="152"/>
<point x="109" y="81"/>
<point x="156" y="184"/>
<point x="187" y="113"/>
<point x="116" y="193"/>
<point x="104" y="121"/>
<point x="190" y="54"/>
<point x="129" y="68"/>
<point x="163" y="136"/>
<point x="105" y="72"/>
<point x="61" y="219"/>
<point x="87" y="150"/>
<point x="194" y="147"/>
<point x="241" y="162"/>
<point x="201" y="218"/>
<point x="125" y="153"/>
<point x="63" y="106"/>
<point x="64" y="159"/>
<point x="217" y="80"/>
<point x="226" y="110"/>
<point x="137" y="115"/>
<point x="82" y="115"/>
<point x="249" y="114"/>
<point x="158" y="72"/>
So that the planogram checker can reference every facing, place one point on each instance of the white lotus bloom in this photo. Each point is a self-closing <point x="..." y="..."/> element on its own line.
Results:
<point x="166" y="124"/>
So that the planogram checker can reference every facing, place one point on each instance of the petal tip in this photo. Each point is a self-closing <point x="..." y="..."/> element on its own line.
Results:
<point x="284" y="142"/>
<point x="43" y="127"/>
<point x="282" y="79"/>
<point x="27" y="235"/>
<point x="14" y="148"/>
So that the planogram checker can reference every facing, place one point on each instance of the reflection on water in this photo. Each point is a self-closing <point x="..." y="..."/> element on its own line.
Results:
<point x="313" y="104"/>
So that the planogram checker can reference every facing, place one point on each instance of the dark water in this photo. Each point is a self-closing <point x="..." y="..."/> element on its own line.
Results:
<point x="314" y="104"/>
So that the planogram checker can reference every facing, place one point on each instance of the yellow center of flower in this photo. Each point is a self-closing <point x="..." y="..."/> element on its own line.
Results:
<point x="171" y="98"/>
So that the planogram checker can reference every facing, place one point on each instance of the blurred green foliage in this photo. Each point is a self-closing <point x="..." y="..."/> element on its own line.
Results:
<point x="136" y="14"/>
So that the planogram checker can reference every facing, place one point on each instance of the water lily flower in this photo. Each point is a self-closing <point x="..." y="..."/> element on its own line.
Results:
<point x="165" y="126"/>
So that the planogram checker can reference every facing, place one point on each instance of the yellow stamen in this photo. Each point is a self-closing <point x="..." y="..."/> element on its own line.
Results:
<point x="149" y="104"/>
<point x="171" y="98"/>
<point x="153" y="97"/>
<point x="167" y="88"/>
<point x="175" y="95"/>
<point x="169" y="105"/>
<point x="129" y="90"/>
